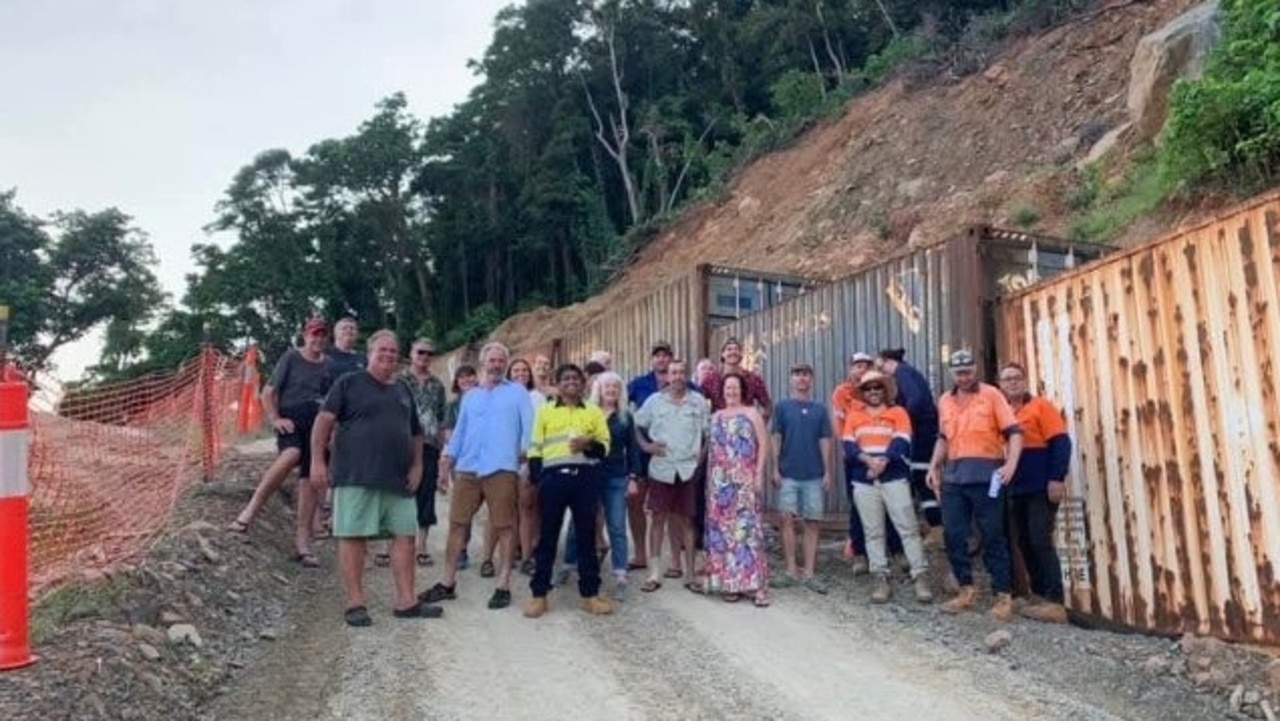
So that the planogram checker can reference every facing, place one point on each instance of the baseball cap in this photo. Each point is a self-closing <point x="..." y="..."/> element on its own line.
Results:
<point x="315" y="326"/>
<point x="860" y="357"/>
<point x="661" y="347"/>
<point x="593" y="368"/>
<point x="801" y="368"/>
<point x="962" y="360"/>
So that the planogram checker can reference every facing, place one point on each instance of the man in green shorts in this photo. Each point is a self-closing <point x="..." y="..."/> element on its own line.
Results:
<point x="374" y="469"/>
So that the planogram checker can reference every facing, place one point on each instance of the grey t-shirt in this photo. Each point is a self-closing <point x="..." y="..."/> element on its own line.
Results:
<point x="298" y="381"/>
<point x="377" y="427"/>
<point x="802" y="425"/>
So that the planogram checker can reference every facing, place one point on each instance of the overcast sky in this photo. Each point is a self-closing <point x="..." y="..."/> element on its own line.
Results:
<point x="152" y="105"/>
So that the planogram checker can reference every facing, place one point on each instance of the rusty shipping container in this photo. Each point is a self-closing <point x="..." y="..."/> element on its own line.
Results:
<point x="1164" y="360"/>
<point x="683" y="311"/>
<point x="929" y="302"/>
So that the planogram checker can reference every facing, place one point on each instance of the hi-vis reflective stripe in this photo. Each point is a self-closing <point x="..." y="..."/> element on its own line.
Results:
<point x="13" y="464"/>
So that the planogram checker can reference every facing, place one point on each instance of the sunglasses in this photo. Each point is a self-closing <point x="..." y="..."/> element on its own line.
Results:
<point x="424" y="352"/>
<point x="873" y="387"/>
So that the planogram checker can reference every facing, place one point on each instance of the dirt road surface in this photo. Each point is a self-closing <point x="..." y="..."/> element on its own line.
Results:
<point x="666" y="655"/>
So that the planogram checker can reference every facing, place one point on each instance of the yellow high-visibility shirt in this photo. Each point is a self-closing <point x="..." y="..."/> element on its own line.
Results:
<point x="557" y="423"/>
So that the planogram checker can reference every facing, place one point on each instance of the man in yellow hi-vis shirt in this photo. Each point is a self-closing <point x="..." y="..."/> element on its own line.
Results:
<point x="569" y="439"/>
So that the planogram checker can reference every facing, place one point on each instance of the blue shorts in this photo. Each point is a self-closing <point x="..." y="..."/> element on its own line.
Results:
<point x="802" y="499"/>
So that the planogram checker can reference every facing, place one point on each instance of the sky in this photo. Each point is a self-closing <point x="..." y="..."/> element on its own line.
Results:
<point x="151" y="106"/>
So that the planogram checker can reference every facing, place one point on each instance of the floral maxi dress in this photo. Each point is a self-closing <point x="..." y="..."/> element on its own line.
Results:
<point x="736" y="556"/>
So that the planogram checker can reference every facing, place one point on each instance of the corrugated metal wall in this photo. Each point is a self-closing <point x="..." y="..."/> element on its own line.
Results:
<point x="928" y="302"/>
<point x="1164" y="359"/>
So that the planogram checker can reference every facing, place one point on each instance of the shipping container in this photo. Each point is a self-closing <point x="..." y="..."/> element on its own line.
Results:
<point x="682" y="312"/>
<point x="929" y="302"/>
<point x="1164" y="361"/>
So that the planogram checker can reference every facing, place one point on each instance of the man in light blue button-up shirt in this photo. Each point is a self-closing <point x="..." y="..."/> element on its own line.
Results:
<point x="481" y="461"/>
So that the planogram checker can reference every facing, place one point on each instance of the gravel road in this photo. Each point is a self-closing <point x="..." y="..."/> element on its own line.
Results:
<point x="667" y="655"/>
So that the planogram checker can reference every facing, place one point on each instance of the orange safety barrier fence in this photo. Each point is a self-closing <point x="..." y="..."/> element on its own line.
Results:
<point x="108" y="467"/>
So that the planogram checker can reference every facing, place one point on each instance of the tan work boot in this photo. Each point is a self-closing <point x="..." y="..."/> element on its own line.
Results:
<point x="934" y="539"/>
<point x="923" y="593"/>
<point x="1046" y="612"/>
<point x="883" y="591"/>
<point x="965" y="600"/>
<point x="535" y="608"/>
<point x="597" y="606"/>
<point x="1002" y="609"/>
<point x="861" y="566"/>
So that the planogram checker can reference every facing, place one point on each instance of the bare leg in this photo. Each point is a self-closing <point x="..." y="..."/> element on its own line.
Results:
<point x="675" y="534"/>
<point x="402" y="571"/>
<point x="423" y="545"/>
<point x="270" y="483"/>
<point x="528" y="521"/>
<point x="309" y="495"/>
<point x="453" y="548"/>
<point x="351" y="569"/>
<point x="690" y="549"/>
<point x="657" y="533"/>
<point x="789" y="542"/>
<point x="639" y="525"/>
<point x="506" y="547"/>
<point x="490" y="542"/>
<point x="810" y="548"/>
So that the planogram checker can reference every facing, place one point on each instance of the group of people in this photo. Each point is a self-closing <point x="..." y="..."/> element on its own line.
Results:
<point x="679" y="459"/>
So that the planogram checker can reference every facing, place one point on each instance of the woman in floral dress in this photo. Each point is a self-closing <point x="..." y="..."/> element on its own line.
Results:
<point x="736" y="554"/>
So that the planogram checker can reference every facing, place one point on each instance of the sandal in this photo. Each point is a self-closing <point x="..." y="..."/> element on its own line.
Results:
<point x="760" y="601"/>
<point x="238" y="526"/>
<point x="358" y="617"/>
<point x="651" y="585"/>
<point x="674" y="573"/>
<point x="306" y="560"/>
<point x="637" y="566"/>
<point x="731" y="597"/>
<point x="382" y="560"/>
<point x="696" y="587"/>
<point x="487" y="570"/>
<point x="424" y="559"/>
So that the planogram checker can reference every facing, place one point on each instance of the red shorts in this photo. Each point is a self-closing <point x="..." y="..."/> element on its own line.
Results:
<point x="679" y="498"/>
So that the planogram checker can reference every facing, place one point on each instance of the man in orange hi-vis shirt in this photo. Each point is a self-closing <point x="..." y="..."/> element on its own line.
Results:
<point x="973" y="461"/>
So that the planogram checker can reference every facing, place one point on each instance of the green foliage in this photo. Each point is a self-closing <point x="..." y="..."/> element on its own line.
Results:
<point x="69" y="604"/>
<point x="1026" y="216"/>
<point x="900" y="51"/>
<point x="478" y="325"/>
<point x="1115" y="206"/>
<point x="1084" y="195"/>
<point x="1224" y="129"/>
<point x="797" y="93"/>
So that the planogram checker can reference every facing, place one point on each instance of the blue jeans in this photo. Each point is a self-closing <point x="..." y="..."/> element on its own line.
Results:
<point x="614" y="497"/>
<point x="963" y="504"/>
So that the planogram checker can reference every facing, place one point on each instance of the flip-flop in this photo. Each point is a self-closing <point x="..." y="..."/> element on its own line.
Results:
<point x="634" y="566"/>
<point x="674" y="573"/>
<point x="306" y="560"/>
<point x="695" y="587"/>
<point x="424" y="559"/>
<point x="760" y="601"/>
<point x="381" y="560"/>
<point x="731" y="597"/>
<point x="419" y="610"/>
<point x="358" y="617"/>
<point x="650" y="586"/>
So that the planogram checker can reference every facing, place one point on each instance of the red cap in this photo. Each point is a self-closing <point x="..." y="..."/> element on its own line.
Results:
<point x="315" y="326"/>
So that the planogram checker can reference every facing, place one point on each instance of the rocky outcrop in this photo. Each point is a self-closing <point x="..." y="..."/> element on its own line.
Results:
<point x="1178" y="50"/>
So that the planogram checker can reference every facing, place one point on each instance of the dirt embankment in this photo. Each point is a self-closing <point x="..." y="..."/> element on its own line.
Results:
<point x="906" y="166"/>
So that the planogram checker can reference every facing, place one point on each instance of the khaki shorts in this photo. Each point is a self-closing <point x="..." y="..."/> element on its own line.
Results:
<point x="497" y="491"/>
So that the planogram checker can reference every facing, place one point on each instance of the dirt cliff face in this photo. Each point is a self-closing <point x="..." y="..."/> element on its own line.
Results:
<point x="908" y="166"/>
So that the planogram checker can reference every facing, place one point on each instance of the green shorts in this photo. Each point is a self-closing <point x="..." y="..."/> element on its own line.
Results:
<point x="360" y="512"/>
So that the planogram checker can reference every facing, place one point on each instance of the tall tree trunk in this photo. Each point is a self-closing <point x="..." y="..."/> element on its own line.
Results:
<point x="618" y="141"/>
<point x="817" y="66"/>
<point x="826" y="40"/>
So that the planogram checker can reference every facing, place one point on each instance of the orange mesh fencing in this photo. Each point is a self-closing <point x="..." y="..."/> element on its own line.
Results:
<point x="107" y="469"/>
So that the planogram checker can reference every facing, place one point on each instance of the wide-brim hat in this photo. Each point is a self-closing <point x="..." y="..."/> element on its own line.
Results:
<point x="884" y="379"/>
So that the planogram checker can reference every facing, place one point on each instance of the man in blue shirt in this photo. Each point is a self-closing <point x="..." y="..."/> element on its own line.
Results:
<point x="489" y="442"/>
<point x="802" y="446"/>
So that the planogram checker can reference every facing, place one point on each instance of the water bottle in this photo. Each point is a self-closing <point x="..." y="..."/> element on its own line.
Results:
<point x="993" y="489"/>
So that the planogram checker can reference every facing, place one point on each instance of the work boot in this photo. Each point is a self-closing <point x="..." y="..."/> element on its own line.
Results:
<point x="1046" y="612"/>
<point x="861" y="566"/>
<point x="965" y="600"/>
<point x="536" y="607"/>
<point x="883" y="591"/>
<point x="923" y="593"/>
<point x="934" y="538"/>
<point x="597" y="606"/>
<point x="1002" y="609"/>
<point x="950" y="584"/>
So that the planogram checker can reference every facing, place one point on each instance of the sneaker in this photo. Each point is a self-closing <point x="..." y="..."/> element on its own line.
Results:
<point x="861" y="566"/>
<point x="536" y="607"/>
<point x="815" y="584"/>
<point x="438" y="593"/>
<point x="1046" y="612"/>
<point x="883" y="591"/>
<point x="965" y="600"/>
<point x="487" y="570"/>
<point x="527" y="567"/>
<point x="597" y="606"/>
<point x="782" y="580"/>
<point x="923" y="593"/>
<point x="1002" y="610"/>
<point x="500" y="599"/>
<point x="619" y="590"/>
<point x="462" y="561"/>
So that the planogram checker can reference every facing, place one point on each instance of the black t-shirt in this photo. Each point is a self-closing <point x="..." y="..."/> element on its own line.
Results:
<point x="299" y="382"/>
<point x="377" y="425"/>
<point x="341" y="362"/>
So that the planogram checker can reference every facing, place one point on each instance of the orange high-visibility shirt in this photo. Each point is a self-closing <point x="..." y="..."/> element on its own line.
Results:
<point x="975" y="424"/>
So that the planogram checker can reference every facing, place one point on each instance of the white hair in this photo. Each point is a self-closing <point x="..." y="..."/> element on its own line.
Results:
<point x="597" y="389"/>
<point x="494" y="346"/>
